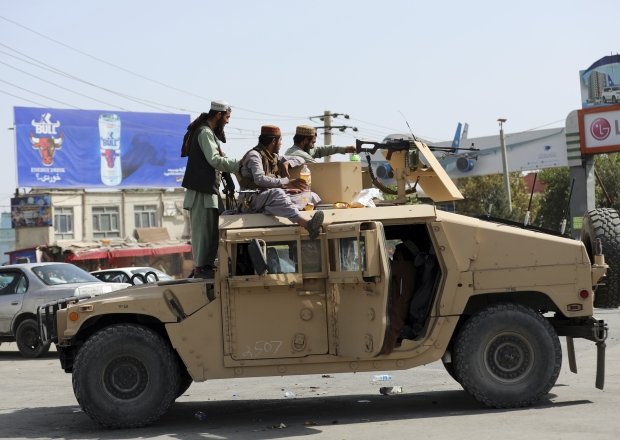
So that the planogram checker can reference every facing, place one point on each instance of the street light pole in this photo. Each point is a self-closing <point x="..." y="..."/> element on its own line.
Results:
<point x="502" y="142"/>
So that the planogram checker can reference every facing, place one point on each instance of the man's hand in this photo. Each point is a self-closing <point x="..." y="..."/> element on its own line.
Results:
<point x="283" y="169"/>
<point x="297" y="185"/>
<point x="350" y="149"/>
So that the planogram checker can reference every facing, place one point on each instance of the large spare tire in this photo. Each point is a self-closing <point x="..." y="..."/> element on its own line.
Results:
<point x="604" y="224"/>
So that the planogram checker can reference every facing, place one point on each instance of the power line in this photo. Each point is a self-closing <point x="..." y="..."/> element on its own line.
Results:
<point x="47" y="37"/>
<point x="38" y="94"/>
<point x="116" y="66"/>
<point x="75" y="78"/>
<point x="59" y="86"/>
<point x="21" y="97"/>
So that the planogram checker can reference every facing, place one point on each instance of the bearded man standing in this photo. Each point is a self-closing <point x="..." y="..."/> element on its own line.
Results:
<point x="205" y="163"/>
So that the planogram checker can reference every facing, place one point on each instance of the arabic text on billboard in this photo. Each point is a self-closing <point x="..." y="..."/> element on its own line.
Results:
<point x="98" y="149"/>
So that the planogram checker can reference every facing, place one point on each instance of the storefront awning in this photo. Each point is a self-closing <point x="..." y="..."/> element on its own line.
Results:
<point x="89" y="254"/>
<point x="145" y="251"/>
<point x="111" y="253"/>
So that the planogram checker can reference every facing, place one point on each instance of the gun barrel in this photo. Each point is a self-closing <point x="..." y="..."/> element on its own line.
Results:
<point x="393" y="145"/>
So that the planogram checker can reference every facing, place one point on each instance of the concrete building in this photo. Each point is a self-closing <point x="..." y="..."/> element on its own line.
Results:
<point x="7" y="237"/>
<point x="108" y="229"/>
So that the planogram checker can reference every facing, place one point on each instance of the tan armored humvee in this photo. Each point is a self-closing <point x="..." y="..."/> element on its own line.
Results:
<point x="385" y="288"/>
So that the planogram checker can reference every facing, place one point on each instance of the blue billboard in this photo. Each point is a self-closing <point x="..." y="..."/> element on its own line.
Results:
<point x="59" y="148"/>
<point x="600" y="83"/>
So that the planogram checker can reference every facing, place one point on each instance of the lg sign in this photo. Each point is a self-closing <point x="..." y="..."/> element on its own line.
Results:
<point x="600" y="129"/>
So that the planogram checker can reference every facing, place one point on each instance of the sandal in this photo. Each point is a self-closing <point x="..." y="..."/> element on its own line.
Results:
<point x="314" y="225"/>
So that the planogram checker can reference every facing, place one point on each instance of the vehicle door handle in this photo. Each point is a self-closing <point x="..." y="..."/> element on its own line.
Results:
<point x="310" y="292"/>
<point x="15" y="303"/>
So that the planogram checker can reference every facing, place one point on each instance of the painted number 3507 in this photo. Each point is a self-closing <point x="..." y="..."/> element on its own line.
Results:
<point x="262" y="348"/>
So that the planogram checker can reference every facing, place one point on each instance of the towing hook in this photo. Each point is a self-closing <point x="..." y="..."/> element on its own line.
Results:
<point x="600" y="331"/>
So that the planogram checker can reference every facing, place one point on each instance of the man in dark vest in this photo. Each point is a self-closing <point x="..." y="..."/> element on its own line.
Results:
<point x="268" y="189"/>
<point x="205" y="163"/>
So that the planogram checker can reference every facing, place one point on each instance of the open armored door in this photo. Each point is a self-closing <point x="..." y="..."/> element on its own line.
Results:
<point x="358" y="284"/>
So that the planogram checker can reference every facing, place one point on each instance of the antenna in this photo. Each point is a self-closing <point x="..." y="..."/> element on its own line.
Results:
<point x="408" y="126"/>
<point x="529" y="206"/>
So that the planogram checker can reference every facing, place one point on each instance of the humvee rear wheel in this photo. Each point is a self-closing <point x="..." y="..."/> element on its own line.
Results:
<point x="604" y="224"/>
<point x="449" y="366"/>
<point x="507" y="356"/>
<point x="125" y="376"/>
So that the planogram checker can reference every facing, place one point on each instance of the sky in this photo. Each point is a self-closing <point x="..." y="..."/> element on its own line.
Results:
<point x="431" y="64"/>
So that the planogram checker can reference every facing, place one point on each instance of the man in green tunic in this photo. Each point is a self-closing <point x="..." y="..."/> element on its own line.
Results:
<point x="205" y="163"/>
<point x="303" y="145"/>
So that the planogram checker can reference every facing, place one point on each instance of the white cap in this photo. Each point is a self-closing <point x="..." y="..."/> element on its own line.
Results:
<point x="220" y="106"/>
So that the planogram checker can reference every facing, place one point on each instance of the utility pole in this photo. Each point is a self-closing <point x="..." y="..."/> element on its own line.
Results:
<point x="502" y="142"/>
<point x="327" y="127"/>
<point x="327" y="132"/>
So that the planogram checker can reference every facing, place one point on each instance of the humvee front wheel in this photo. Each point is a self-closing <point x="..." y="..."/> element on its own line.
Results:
<point x="604" y="224"/>
<point x="507" y="356"/>
<point x="125" y="376"/>
<point x="185" y="380"/>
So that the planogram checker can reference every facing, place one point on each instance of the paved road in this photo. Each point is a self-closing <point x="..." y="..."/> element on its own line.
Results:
<point x="37" y="402"/>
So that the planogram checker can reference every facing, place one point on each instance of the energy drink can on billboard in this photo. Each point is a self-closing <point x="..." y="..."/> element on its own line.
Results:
<point x="110" y="148"/>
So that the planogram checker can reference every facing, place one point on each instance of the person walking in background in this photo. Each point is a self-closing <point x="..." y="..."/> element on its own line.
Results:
<point x="205" y="163"/>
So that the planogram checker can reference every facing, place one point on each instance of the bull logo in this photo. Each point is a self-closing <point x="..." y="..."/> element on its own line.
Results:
<point x="110" y="156"/>
<point x="47" y="146"/>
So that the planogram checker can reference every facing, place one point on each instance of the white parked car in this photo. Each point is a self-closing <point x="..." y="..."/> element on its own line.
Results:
<point x="611" y="94"/>
<point x="131" y="275"/>
<point x="24" y="287"/>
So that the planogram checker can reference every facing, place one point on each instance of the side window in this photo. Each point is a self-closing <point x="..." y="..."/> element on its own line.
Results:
<point x="22" y="286"/>
<point x="281" y="258"/>
<point x="12" y="282"/>
<point x="311" y="261"/>
<point x="352" y="254"/>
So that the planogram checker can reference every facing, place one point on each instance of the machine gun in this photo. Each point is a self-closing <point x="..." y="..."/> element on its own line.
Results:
<point x="413" y="163"/>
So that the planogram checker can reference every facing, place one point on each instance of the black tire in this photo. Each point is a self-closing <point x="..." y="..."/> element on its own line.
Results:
<point x="613" y="99"/>
<point x="125" y="376"/>
<point x="185" y="380"/>
<point x="150" y="277"/>
<point x="449" y="366"/>
<point x="604" y="224"/>
<point x="29" y="340"/>
<point x="137" y="276"/>
<point x="507" y="356"/>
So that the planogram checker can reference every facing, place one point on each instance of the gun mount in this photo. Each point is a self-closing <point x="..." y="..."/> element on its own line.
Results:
<point x="414" y="165"/>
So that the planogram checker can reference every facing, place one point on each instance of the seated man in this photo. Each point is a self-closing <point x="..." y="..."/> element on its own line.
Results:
<point x="304" y="145"/>
<point x="268" y="189"/>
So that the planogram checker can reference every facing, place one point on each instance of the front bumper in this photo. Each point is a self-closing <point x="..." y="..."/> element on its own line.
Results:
<point x="595" y="330"/>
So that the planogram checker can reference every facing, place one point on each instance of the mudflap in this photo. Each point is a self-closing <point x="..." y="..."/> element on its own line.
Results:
<point x="595" y="330"/>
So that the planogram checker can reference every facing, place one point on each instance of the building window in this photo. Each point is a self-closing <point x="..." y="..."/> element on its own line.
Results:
<point x="145" y="216"/>
<point x="105" y="222"/>
<point x="63" y="223"/>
